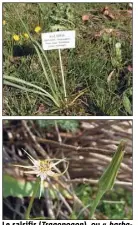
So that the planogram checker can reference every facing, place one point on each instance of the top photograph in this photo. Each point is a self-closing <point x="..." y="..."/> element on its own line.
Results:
<point x="67" y="59"/>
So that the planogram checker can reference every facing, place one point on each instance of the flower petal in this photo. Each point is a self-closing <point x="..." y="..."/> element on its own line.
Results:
<point x="31" y="172"/>
<point x="59" y="161"/>
<point x="30" y="157"/>
<point x="27" y="167"/>
<point x="52" y="174"/>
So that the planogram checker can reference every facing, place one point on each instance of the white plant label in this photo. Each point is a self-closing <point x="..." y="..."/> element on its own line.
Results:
<point x="58" y="40"/>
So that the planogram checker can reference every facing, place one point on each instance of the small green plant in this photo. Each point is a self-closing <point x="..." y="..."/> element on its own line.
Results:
<point x="60" y="17"/>
<point x="117" y="58"/>
<point x="57" y="93"/>
<point x="126" y="100"/>
<point x="67" y="125"/>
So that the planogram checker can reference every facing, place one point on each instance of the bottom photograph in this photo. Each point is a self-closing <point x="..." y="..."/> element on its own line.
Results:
<point x="67" y="169"/>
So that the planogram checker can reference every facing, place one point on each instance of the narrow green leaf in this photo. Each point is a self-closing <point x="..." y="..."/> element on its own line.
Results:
<point x="127" y="104"/>
<point x="47" y="61"/>
<point x="31" y="90"/>
<point x="17" y="187"/>
<point x="18" y="80"/>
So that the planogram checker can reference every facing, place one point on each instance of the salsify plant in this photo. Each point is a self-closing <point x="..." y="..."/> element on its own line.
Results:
<point x="42" y="169"/>
<point x="56" y="92"/>
<point x="107" y="180"/>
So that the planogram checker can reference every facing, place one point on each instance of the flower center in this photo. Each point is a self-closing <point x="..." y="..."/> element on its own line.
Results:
<point x="44" y="166"/>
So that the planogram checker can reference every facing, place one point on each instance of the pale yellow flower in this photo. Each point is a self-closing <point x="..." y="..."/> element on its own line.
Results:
<point x="43" y="168"/>
<point x="4" y="22"/>
<point x="16" y="37"/>
<point x="37" y="29"/>
<point x="26" y="35"/>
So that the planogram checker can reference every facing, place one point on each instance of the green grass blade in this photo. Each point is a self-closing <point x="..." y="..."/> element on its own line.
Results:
<point x="40" y="58"/>
<point x="47" y="61"/>
<point x="51" y="85"/>
<point x="43" y="66"/>
<point x="18" y="80"/>
<point x="31" y="90"/>
<point x="23" y="88"/>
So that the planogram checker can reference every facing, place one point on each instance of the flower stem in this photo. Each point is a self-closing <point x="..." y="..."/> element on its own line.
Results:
<point x="27" y="214"/>
<point x="96" y="202"/>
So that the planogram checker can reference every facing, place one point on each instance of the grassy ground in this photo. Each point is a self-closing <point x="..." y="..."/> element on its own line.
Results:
<point x="119" y="207"/>
<point x="94" y="64"/>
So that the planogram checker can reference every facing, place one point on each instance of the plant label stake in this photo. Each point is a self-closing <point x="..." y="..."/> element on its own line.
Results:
<point x="59" y="40"/>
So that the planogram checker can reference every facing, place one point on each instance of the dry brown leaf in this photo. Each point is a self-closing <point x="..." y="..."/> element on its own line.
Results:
<point x="106" y="12"/>
<point x="85" y="18"/>
<point x="41" y="109"/>
<point x="130" y="69"/>
<point x="110" y="76"/>
<point x="110" y="31"/>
